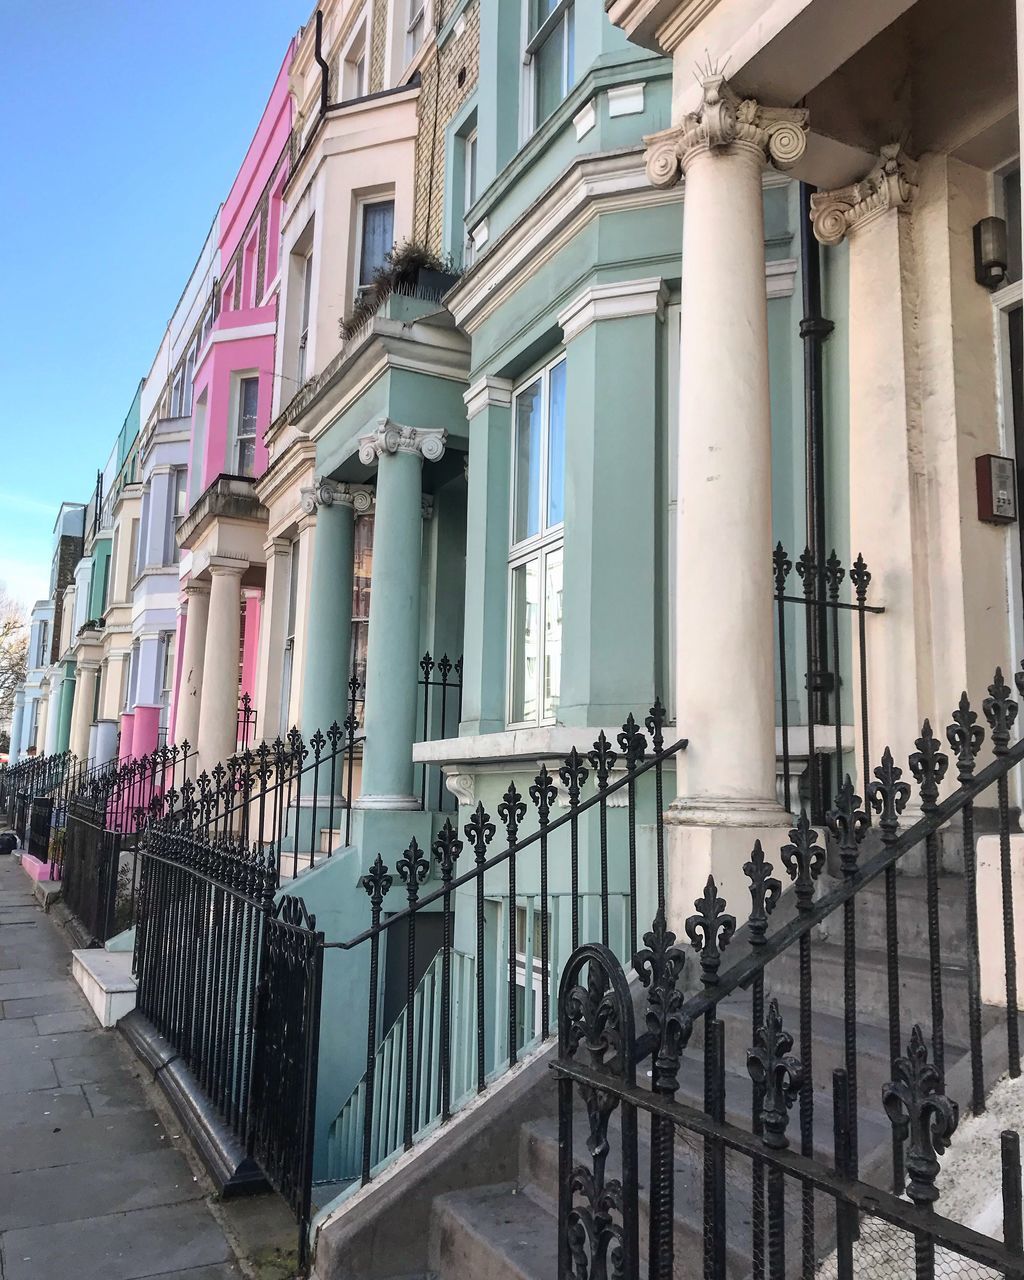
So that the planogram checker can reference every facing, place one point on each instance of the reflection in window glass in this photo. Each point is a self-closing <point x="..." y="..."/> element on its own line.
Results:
<point x="526" y="640"/>
<point x="528" y="462"/>
<point x="552" y="632"/>
<point x="556" y="445"/>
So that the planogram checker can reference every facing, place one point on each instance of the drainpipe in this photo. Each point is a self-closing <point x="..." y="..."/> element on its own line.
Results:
<point x="325" y="70"/>
<point x="815" y="331"/>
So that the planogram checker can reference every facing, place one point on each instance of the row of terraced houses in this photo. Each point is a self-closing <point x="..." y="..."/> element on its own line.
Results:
<point x="642" y="378"/>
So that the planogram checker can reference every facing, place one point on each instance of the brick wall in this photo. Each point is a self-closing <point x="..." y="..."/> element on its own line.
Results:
<point x="69" y="552"/>
<point x="449" y="78"/>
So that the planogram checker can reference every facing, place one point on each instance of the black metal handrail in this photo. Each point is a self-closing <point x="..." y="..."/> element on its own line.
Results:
<point x="441" y="682"/>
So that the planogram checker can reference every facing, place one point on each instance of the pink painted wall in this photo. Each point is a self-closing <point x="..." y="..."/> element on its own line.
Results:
<point x="215" y="375"/>
<point x="127" y="727"/>
<point x="250" y="646"/>
<point x="145" y="731"/>
<point x="269" y="140"/>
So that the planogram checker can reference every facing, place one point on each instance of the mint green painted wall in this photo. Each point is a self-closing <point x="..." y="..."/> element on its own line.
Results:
<point x="67" y="699"/>
<point x="483" y="677"/>
<point x="608" y="636"/>
<point x="100" y="569"/>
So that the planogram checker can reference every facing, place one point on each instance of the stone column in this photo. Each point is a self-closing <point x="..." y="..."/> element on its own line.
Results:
<point x="48" y="740"/>
<point x="724" y="663"/>
<point x="190" y="685"/>
<point x="272" y="633"/>
<point x="218" y="710"/>
<point x="886" y="471"/>
<point x="329" y="620"/>
<point x="67" y="701"/>
<point x="85" y="698"/>
<point x="106" y="741"/>
<point x="17" y="723"/>
<point x="392" y="659"/>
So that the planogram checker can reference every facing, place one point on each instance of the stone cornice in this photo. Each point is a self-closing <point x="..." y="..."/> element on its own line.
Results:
<point x="389" y="437"/>
<point x="723" y="121"/>
<point x="891" y="184"/>
<point x="658" y="24"/>
<point x="613" y="302"/>
<point x="325" y="492"/>
<point x="487" y="391"/>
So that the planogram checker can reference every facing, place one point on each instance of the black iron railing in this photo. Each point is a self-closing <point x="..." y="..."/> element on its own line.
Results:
<point x="440" y="684"/>
<point x="232" y="980"/>
<point x="89" y="863"/>
<point x="812" y="626"/>
<point x="245" y="728"/>
<point x="884" y="993"/>
<point x="39" y="825"/>
<point x="575" y="845"/>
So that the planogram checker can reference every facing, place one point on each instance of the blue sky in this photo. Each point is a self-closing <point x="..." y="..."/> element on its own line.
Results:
<point x="124" y="123"/>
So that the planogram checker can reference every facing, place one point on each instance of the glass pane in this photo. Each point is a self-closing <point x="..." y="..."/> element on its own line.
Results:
<point x="525" y="641"/>
<point x="552" y="632"/>
<point x="528" y="441"/>
<point x="548" y="71"/>
<point x="570" y="50"/>
<point x="246" y="456"/>
<point x="248" y="401"/>
<point x="556" y="445"/>
<point x="378" y="238"/>
<point x="539" y="10"/>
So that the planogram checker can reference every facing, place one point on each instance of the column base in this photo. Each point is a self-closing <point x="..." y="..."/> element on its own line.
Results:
<point x="725" y="811"/>
<point x="696" y="847"/>
<point x="402" y="804"/>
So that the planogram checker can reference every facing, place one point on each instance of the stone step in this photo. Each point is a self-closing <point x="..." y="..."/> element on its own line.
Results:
<point x="496" y="1232"/>
<point x="911" y="918"/>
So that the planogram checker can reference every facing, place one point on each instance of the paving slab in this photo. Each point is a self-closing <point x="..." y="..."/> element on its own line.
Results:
<point x="91" y="1182"/>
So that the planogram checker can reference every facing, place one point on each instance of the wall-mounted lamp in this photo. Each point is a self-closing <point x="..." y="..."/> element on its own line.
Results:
<point x="990" y="252"/>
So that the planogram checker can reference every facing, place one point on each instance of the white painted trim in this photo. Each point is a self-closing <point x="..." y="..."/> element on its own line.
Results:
<point x="613" y="302"/>
<point x="1009" y="296"/>
<point x="266" y="329"/>
<point x="485" y="392"/>
<point x="626" y="100"/>
<point x="584" y="120"/>
<point x="780" y="277"/>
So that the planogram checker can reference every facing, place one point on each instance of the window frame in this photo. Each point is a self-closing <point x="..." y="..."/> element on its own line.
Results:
<point x="539" y="548"/>
<point x="358" y="41"/>
<point x="533" y="42"/>
<point x="240" y="379"/>
<point x="470" y="160"/>
<point x="363" y="203"/>
<point x="305" y="311"/>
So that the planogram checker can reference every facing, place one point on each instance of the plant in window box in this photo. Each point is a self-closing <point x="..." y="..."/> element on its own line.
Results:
<point x="410" y="270"/>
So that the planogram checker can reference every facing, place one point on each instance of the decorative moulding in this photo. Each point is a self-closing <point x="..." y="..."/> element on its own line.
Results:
<point x="485" y="392"/>
<point x="462" y="786"/>
<point x="325" y="492"/>
<point x="626" y="100"/>
<point x="390" y="438"/>
<point x="584" y="120"/>
<point x="891" y="184"/>
<point x="613" y="302"/>
<point x="780" y="276"/>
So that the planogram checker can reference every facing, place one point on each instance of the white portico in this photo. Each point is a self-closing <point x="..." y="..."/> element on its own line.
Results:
<point x="822" y="88"/>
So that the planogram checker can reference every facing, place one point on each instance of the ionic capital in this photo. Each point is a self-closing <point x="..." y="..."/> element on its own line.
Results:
<point x="725" y="121"/>
<point x="324" y="492"/>
<point x="389" y="437"/>
<point x="891" y="184"/>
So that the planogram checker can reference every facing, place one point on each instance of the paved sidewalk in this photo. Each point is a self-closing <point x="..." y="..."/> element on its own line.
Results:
<point x="91" y="1185"/>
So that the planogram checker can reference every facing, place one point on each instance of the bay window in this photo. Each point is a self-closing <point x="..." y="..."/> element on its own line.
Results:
<point x="535" y="557"/>
<point x="550" y="51"/>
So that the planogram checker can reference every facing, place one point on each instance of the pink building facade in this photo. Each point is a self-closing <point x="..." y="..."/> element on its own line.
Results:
<point x="222" y="568"/>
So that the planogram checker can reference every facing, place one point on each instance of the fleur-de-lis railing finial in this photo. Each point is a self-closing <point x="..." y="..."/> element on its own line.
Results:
<point x="413" y="868"/>
<point x="834" y="575"/>
<point x="655" y="725"/>
<point x="965" y="736"/>
<point x="918" y="1110"/>
<point x="377" y="883"/>
<point x="781" y="568"/>
<point x="479" y="830"/>
<point x="659" y="967"/>
<point x="602" y="758"/>
<point x="804" y="860"/>
<point x="446" y="848"/>
<point x="807" y="569"/>
<point x="710" y="931"/>
<point x="573" y="775"/>
<point x="848" y="823"/>
<point x="512" y="811"/>
<point x="543" y="794"/>
<point x="631" y="742"/>
<point x="765" y="891"/>
<point x="888" y="795"/>
<point x="773" y="1067"/>
<point x="860" y="576"/>
<point x="1000" y="712"/>
<point x="928" y="764"/>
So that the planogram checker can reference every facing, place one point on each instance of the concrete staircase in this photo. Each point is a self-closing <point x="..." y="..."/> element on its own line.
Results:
<point x="505" y="1227"/>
